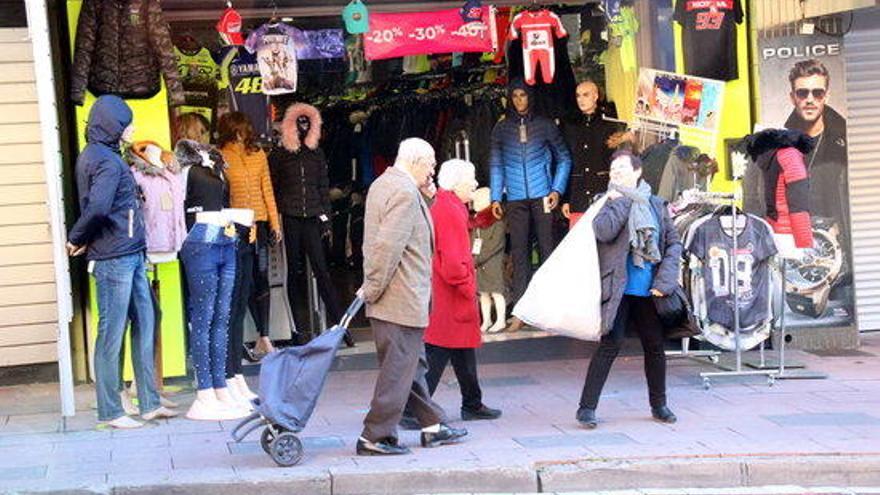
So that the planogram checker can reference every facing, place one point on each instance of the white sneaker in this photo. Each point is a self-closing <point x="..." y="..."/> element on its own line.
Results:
<point x="211" y="410"/>
<point x="124" y="423"/>
<point x="159" y="413"/>
<point x="243" y="388"/>
<point x="226" y="400"/>
<point x="237" y="397"/>
<point x="127" y="404"/>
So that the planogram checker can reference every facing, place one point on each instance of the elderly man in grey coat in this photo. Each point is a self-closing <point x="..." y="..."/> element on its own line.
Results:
<point x="398" y="247"/>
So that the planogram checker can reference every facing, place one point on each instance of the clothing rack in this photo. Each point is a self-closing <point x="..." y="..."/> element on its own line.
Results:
<point x="731" y="200"/>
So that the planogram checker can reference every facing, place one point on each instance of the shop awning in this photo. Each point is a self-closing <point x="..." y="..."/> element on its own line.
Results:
<point x="773" y="13"/>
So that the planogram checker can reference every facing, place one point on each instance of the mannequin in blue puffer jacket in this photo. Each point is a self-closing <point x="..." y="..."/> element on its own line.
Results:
<point x="529" y="166"/>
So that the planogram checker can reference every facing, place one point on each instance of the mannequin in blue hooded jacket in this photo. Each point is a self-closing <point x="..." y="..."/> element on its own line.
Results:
<point x="529" y="165"/>
<point x="110" y="230"/>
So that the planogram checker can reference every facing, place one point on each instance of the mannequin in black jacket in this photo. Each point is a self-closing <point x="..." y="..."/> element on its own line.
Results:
<point x="302" y="194"/>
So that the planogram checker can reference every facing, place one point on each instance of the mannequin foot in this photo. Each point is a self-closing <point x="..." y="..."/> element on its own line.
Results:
<point x="206" y="407"/>
<point x="124" y="423"/>
<point x="166" y="402"/>
<point x="243" y="388"/>
<point x="515" y="325"/>
<point x="160" y="413"/>
<point x="229" y="403"/>
<point x="264" y="346"/>
<point x="127" y="404"/>
<point x="236" y="395"/>
<point x="497" y="327"/>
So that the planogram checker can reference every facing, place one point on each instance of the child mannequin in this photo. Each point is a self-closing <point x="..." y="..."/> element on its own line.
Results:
<point x="488" y="250"/>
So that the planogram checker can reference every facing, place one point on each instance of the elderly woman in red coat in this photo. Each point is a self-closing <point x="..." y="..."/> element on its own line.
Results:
<point x="453" y="333"/>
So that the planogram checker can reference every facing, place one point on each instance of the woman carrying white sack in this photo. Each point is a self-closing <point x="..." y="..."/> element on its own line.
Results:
<point x="639" y="260"/>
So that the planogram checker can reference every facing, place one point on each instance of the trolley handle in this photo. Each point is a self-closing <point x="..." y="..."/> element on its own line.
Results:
<point x="353" y="309"/>
<point x="248" y="424"/>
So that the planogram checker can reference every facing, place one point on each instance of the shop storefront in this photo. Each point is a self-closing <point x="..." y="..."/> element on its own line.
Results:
<point x="374" y="89"/>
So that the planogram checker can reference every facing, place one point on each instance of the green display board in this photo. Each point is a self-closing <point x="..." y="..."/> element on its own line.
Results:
<point x="152" y="123"/>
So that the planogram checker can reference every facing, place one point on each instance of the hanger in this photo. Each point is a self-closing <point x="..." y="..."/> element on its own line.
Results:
<point x="188" y="43"/>
<point x="274" y="18"/>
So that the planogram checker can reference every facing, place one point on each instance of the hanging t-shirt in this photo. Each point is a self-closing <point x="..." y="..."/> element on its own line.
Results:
<point x="275" y="47"/>
<point x="624" y="28"/>
<point x="709" y="37"/>
<point x="713" y="245"/>
<point x="242" y="86"/>
<point x="198" y="76"/>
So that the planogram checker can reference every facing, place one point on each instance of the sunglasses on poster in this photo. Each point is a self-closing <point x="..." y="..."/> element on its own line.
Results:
<point x="804" y="93"/>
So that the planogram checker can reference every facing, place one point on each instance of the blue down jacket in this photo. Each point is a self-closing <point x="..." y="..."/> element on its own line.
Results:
<point x="532" y="169"/>
<point x="111" y="221"/>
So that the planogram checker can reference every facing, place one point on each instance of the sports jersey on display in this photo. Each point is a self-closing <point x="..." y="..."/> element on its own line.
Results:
<point x="537" y="30"/>
<point x="713" y="245"/>
<point x="275" y="46"/>
<point x="198" y="75"/>
<point x="241" y="83"/>
<point x="709" y="37"/>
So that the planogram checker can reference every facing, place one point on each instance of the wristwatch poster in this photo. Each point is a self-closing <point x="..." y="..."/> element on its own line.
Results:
<point x="811" y="278"/>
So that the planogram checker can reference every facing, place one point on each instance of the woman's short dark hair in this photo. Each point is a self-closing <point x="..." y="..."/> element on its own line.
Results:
<point x="234" y="125"/>
<point x="633" y="159"/>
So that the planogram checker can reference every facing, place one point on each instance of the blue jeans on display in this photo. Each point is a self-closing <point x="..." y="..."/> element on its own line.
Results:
<point x="208" y="256"/>
<point x="123" y="292"/>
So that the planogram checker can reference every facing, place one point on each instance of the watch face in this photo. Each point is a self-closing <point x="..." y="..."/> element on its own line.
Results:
<point x="818" y="264"/>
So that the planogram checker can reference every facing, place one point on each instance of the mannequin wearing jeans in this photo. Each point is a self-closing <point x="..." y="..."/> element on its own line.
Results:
<point x="110" y="231"/>
<point x="209" y="259"/>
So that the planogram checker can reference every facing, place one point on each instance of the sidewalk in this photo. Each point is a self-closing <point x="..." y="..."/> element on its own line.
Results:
<point x="739" y="433"/>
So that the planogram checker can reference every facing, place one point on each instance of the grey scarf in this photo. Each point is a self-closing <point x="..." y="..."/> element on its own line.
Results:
<point x="643" y="235"/>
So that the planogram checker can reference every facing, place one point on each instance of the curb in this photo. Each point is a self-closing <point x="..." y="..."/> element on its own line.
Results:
<point x="711" y="472"/>
<point x="679" y="472"/>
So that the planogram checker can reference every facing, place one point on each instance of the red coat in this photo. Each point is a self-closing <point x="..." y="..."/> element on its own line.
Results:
<point x="455" y="320"/>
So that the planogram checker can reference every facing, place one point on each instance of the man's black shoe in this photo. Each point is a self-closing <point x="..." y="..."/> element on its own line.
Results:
<point x="386" y="446"/>
<point x="663" y="415"/>
<point x="446" y="435"/>
<point x="349" y="340"/>
<point x="409" y="423"/>
<point x="483" y="412"/>
<point x="587" y="417"/>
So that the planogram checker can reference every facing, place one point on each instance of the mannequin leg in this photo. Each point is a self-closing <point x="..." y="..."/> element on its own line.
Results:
<point x="485" y="310"/>
<point x="500" y="312"/>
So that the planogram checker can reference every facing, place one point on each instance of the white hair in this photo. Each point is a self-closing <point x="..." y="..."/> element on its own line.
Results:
<point x="452" y="172"/>
<point x="412" y="150"/>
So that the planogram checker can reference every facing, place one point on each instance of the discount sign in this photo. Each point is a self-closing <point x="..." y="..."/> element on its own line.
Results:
<point x="425" y="33"/>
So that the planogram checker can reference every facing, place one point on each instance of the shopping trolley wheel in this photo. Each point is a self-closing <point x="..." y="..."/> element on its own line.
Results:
<point x="714" y="359"/>
<point x="707" y="384"/>
<point x="286" y="450"/>
<point x="771" y="380"/>
<point x="266" y="440"/>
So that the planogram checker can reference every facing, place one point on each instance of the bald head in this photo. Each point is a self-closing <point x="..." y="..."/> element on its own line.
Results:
<point x="587" y="95"/>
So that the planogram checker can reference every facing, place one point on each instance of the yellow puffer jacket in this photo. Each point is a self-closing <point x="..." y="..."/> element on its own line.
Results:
<point x="249" y="182"/>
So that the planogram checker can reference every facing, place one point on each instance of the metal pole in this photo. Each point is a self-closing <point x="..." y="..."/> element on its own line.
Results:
<point x="735" y="283"/>
<point x="38" y="27"/>
<point x="783" y="269"/>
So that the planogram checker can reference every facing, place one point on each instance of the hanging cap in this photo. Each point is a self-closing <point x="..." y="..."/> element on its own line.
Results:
<point x="229" y="27"/>
<point x="472" y="11"/>
<point x="356" y="17"/>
